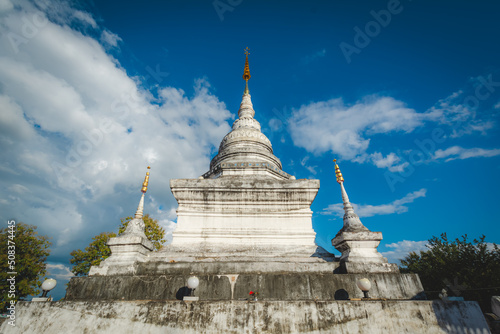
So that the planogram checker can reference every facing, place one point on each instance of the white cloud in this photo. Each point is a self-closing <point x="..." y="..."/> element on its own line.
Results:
<point x="59" y="271"/>
<point x="457" y="152"/>
<point x="343" y="129"/>
<point x="390" y="161"/>
<point x="402" y="248"/>
<point x="79" y="133"/>
<point x="85" y="18"/>
<point x="311" y="169"/>
<point x="367" y="210"/>
<point x="491" y="246"/>
<point x="169" y="227"/>
<point x="109" y="38"/>
<point x="460" y="110"/>
<point x="18" y="188"/>
<point x="5" y="6"/>
<point x="13" y="125"/>
<point x="62" y="274"/>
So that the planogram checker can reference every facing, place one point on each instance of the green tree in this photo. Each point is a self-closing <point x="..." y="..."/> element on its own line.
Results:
<point x="29" y="250"/>
<point x="98" y="250"/>
<point x="469" y="269"/>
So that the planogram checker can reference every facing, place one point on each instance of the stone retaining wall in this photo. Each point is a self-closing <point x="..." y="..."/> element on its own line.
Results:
<point x="280" y="286"/>
<point x="276" y="317"/>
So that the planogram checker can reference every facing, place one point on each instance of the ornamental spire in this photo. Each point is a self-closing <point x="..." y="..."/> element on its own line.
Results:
<point x="146" y="181"/>
<point x="338" y="174"/>
<point x="140" y="208"/>
<point x="246" y="72"/>
<point x="351" y="219"/>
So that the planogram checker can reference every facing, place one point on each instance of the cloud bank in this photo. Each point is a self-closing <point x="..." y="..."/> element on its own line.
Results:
<point x="77" y="132"/>
<point x="345" y="129"/>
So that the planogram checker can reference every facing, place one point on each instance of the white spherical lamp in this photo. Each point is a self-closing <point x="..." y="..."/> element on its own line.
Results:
<point x="48" y="285"/>
<point x="364" y="285"/>
<point x="193" y="283"/>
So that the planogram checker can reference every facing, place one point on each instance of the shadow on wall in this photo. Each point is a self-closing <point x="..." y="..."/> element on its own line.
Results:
<point x="341" y="294"/>
<point x="325" y="255"/>
<point x="184" y="291"/>
<point x="460" y="317"/>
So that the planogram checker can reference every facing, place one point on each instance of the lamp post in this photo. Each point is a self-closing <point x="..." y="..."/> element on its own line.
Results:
<point x="47" y="285"/>
<point x="192" y="284"/>
<point x="364" y="285"/>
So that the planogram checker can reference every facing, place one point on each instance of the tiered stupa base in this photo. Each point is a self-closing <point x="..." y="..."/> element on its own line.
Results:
<point x="242" y="219"/>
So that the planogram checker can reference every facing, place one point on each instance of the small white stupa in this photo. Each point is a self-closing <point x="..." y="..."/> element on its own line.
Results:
<point x="131" y="246"/>
<point x="358" y="244"/>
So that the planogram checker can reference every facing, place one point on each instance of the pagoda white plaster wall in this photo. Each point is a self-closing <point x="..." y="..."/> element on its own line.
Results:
<point x="242" y="215"/>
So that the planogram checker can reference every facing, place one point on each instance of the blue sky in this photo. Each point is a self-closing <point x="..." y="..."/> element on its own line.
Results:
<point x="405" y="94"/>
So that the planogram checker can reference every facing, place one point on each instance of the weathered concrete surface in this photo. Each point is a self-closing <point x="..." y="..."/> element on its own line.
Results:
<point x="248" y="317"/>
<point x="271" y="286"/>
<point x="358" y="268"/>
<point x="171" y="265"/>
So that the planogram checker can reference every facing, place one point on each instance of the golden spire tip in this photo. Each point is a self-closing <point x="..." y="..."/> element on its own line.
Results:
<point x="146" y="182"/>
<point x="338" y="174"/>
<point x="246" y="72"/>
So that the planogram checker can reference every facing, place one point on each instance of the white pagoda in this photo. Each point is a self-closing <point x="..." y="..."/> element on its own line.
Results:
<point x="244" y="227"/>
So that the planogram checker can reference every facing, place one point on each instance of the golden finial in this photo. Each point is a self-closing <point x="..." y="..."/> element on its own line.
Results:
<point x="145" y="183"/>
<point x="246" y="72"/>
<point x="338" y="174"/>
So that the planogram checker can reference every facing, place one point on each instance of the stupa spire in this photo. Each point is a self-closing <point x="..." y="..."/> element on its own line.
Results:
<point x="140" y="208"/>
<point x="246" y="71"/>
<point x="246" y="107"/>
<point x="246" y="150"/>
<point x="351" y="219"/>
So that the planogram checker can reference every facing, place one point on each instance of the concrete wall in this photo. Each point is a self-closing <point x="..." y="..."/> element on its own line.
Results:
<point x="248" y="317"/>
<point x="282" y="286"/>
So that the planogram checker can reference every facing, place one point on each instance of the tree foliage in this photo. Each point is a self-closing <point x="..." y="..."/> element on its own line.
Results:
<point x="470" y="269"/>
<point x="30" y="255"/>
<point x="98" y="250"/>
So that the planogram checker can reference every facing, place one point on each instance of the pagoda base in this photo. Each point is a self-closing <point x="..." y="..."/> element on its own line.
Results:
<point x="251" y="217"/>
<point x="234" y="281"/>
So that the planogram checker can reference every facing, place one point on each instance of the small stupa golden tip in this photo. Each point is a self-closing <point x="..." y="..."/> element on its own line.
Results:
<point x="146" y="182"/>
<point x="338" y="174"/>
